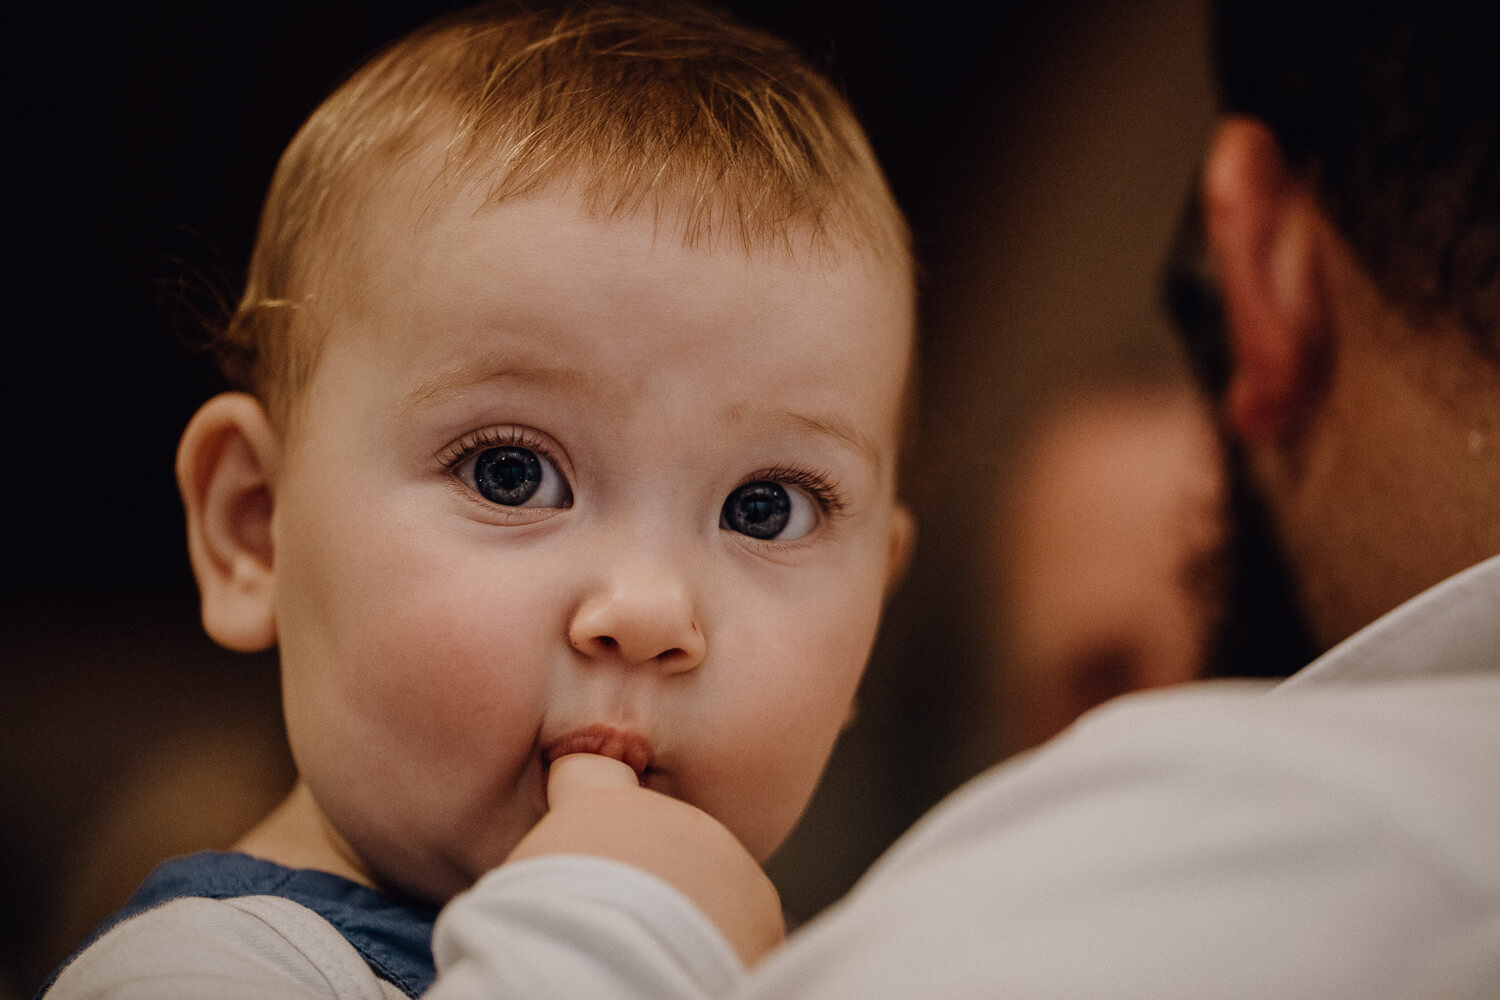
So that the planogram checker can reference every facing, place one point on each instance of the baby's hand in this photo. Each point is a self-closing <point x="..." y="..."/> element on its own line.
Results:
<point x="598" y="807"/>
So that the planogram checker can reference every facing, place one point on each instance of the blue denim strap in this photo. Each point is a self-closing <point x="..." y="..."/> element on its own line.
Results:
<point x="393" y="936"/>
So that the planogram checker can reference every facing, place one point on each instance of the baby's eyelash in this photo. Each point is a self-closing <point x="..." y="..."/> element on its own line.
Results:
<point x="490" y="437"/>
<point x="821" y="486"/>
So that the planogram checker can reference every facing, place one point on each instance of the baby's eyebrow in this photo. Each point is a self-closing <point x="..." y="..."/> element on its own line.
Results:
<point x="841" y="430"/>
<point x="482" y="371"/>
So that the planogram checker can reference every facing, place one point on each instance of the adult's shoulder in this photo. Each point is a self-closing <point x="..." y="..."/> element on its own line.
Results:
<point x="1210" y="840"/>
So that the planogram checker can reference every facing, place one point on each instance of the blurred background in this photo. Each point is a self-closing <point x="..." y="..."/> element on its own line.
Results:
<point x="1042" y="153"/>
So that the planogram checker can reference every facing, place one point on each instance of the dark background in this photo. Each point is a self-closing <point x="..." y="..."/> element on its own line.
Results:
<point x="1040" y="152"/>
<point x="157" y="127"/>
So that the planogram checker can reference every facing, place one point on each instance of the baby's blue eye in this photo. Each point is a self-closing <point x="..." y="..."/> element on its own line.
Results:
<point x="507" y="476"/>
<point x="512" y="476"/>
<point x="769" y="510"/>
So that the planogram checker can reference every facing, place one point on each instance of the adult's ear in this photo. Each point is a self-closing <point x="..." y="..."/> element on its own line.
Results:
<point x="1263" y="228"/>
<point x="226" y="466"/>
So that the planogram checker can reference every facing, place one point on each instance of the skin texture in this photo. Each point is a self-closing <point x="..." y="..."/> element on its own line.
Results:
<point x="1364" y="437"/>
<point x="438" y="649"/>
<point x="1117" y="511"/>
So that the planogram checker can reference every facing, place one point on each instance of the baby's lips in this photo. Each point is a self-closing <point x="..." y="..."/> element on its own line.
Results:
<point x="622" y="745"/>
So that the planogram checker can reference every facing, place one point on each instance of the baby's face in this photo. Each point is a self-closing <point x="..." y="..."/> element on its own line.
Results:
<point x="561" y="484"/>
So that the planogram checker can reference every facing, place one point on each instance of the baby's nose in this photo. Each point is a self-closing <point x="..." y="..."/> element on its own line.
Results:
<point x="640" y="618"/>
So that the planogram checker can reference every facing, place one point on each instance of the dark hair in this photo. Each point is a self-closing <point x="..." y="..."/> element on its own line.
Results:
<point x="1392" y="109"/>
<point x="1191" y="298"/>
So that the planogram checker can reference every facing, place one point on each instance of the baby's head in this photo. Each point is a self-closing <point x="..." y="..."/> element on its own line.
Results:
<point x="578" y="347"/>
<point x="722" y="134"/>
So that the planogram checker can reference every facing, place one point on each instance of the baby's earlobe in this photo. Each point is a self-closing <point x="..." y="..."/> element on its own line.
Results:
<point x="223" y="473"/>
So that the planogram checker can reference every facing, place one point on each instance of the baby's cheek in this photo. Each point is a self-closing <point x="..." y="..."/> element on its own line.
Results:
<point x="447" y="670"/>
<point x="440" y="706"/>
<point x="775" y="740"/>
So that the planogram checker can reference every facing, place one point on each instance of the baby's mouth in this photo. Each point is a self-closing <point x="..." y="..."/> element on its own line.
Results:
<point x="620" y="744"/>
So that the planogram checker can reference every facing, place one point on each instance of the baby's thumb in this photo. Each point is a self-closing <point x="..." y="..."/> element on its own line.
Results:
<point x="586" y="772"/>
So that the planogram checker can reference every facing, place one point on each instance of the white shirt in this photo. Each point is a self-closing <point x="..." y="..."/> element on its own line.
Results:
<point x="1336" y="836"/>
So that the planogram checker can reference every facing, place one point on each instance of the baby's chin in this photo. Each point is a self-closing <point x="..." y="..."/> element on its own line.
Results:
<point x="430" y="870"/>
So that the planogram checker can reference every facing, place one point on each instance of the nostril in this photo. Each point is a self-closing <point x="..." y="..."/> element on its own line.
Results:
<point x="596" y="645"/>
<point x="631" y="648"/>
<point x="677" y="661"/>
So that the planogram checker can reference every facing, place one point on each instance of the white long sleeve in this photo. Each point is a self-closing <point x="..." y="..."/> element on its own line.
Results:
<point x="569" y="926"/>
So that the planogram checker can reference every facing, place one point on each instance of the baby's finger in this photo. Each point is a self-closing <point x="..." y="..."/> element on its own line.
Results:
<point x="584" y="772"/>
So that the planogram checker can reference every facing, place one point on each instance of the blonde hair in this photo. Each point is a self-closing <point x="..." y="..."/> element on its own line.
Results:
<point x="666" y="107"/>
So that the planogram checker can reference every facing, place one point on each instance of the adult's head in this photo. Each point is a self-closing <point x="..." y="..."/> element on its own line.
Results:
<point x="1351" y="218"/>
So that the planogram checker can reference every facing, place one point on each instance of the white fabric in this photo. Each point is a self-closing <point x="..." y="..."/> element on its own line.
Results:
<point x="565" y="926"/>
<point x="1453" y="628"/>
<point x="248" y="948"/>
<point x="1338" y="838"/>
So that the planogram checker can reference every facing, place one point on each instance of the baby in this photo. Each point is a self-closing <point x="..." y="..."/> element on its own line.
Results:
<point x="575" y="349"/>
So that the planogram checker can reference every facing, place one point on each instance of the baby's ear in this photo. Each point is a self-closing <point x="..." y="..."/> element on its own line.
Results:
<point x="225" y="471"/>
<point x="903" y="539"/>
